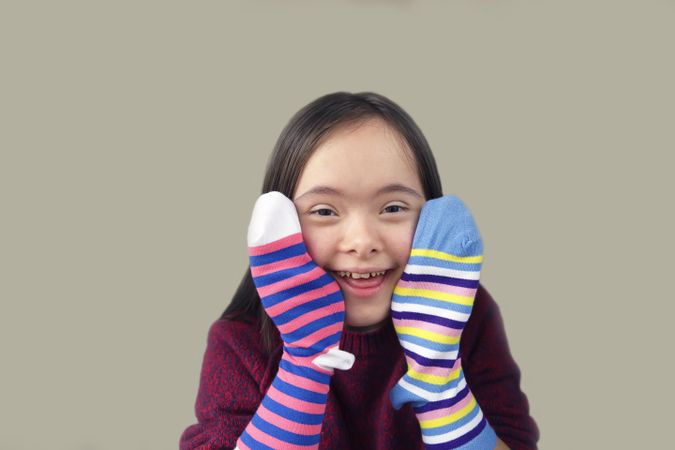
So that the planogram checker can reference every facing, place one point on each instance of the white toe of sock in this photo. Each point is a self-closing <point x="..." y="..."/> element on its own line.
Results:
<point x="335" y="359"/>
<point x="274" y="217"/>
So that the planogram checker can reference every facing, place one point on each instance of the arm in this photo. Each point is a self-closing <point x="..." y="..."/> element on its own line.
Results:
<point x="307" y="307"/>
<point x="232" y="376"/>
<point x="431" y="305"/>
<point x="430" y="308"/>
<point x="233" y="394"/>
<point x="494" y="376"/>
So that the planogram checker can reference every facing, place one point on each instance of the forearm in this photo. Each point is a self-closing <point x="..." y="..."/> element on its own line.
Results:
<point x="494" y="376"/>
<point x="291" y="413"/>
<point x="451" y="418"/>
<point x="307" y="307"/>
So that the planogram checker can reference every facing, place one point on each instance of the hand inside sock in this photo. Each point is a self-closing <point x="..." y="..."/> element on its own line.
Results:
<point x="430" y="307"/>
<point x="306" y="305"/>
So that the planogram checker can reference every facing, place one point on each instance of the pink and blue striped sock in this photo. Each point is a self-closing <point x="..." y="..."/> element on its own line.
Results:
<point x="430" y="307"/>
<point x="306" y="305"/>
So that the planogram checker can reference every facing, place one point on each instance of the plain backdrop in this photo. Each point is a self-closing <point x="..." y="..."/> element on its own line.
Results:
<point x="134" y="138"/>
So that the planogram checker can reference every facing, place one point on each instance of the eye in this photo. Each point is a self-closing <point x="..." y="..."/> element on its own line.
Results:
<point x="322" y="212"/>
<point x="400" y="208"/>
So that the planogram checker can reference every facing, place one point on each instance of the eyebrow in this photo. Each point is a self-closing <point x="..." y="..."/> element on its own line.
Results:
<point x="394" y="187"/>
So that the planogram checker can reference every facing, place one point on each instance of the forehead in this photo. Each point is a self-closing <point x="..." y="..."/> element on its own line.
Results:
<point x="360" y="159"/>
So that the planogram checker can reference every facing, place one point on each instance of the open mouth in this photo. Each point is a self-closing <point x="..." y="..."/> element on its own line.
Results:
<point x="361" y="284"/>
<point x="360" y="276"/>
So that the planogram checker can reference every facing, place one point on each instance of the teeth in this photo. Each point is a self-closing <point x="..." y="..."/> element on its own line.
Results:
<point x="357" y="276"/>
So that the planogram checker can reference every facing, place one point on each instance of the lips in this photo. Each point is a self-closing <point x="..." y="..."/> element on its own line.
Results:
<point x="362" y="287"/>
<point x="363" y="282"/>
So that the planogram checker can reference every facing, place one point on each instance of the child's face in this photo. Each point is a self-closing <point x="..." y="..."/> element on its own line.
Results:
<point x="357" y="227"/>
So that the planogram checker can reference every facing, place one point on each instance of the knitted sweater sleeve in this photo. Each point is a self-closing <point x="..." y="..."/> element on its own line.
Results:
<point x="233" y="374"/>
<point x="494" y="376"/>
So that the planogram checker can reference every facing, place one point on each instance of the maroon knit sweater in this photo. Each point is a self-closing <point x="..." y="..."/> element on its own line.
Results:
<point x="236" y="374"/>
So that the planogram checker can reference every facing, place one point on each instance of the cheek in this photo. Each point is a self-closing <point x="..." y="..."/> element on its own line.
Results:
<point x="318" y="245"/>
<point x="401" y="244"/>
<point x="403" y="252"/>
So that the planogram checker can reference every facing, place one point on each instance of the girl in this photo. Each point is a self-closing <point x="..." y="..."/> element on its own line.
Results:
<point x="351" y="197"/>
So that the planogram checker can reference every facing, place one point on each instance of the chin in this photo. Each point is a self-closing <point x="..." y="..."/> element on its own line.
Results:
<point x="366" y="318"/>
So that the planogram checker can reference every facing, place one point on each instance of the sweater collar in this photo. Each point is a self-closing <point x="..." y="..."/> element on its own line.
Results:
<point x="382" y="339"/>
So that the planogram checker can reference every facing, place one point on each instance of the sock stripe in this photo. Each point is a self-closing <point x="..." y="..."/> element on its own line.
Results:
<point x="440" y="279"/>
<point x="462" y="393"/>
<point x="429" y="318"/>
<point x="279" y="255"/>
<point x="303" y="279"/>
<point x="426" y="306"/>
<point x="431" y="305"/>
<point x="295" y="266"/>
<point x="247" y="441"/>
<point x="307" y="323"/>
<point x="293" y="397"/>
<point x="446" y="256"/>
<point x="441" y="413"/>
<point x="315" y="331"/>
<point x="329" y="341"/>
<point x="307" y="307"/>
<point x="281" y="435"/>
<point x="465" y="295"/>
<point x="431" y="345"/>
<point x="440" y="374"/>
<point x="427" y="335"/>
<point x="433" y="333"/>
<point x="271" y="416"/>
<point x="290" y="241"/>
<point x="297" y="304"/>
<point x="304" y="371"/>
<point x="241" y="445"/>
<point x="482" y="436"/>
<point x="299" y="380"/>
<point x="290" y="415"/>
<point x="446" y="363"/>
<point x="458" y="417"/>
<point x="432" y="393"/>
<point x="431" y="353"/>
<point x="433" y="263"/>
<point x="428" y="330"/>
<point x="454" y="440"/>
<point x="462" y="422"/>
<point x="266" y="269"/>
<point x="432" y="382"/>
<point x="451" y="310"/>
<point x="308" y="303"/>
<point x="434" y="295"/>
<point x="274" y="299"/>
<point x="425" y="269"/>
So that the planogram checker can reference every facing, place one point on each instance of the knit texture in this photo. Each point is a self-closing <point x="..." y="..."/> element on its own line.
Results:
<point x="307" y="307"/>
<point x="430" y="307"/>
<point x="236" y="373"/>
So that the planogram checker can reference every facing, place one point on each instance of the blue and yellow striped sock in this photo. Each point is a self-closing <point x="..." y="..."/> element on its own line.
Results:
<point x="430" y="307"/>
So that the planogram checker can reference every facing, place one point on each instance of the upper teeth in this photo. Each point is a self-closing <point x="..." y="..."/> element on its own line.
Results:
<point x="360" y="275"/>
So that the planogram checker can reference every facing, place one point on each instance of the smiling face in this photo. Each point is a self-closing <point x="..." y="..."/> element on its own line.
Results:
<point x="358" y="199"/>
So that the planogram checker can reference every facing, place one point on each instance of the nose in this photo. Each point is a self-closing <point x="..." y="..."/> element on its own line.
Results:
<point x="360" y="237"/>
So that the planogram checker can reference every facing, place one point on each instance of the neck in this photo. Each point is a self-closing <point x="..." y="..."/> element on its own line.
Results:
<point x="367" y="328"/>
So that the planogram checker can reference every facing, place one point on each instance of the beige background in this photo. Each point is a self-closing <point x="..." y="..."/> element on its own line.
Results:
<point x="133" y="142"/>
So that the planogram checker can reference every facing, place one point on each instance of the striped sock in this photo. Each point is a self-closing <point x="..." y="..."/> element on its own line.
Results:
<point x="306" y="305"/>
<point x="430" y="307"/>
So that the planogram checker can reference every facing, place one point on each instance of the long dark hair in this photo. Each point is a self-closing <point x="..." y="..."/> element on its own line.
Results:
<point x="295" y="145"/>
